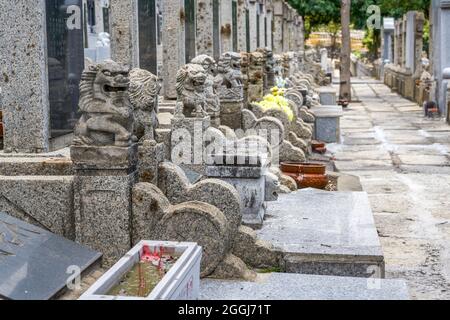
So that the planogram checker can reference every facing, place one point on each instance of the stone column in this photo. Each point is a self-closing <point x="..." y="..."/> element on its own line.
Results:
<point x="262" y="16"/>
<point x="419" y="21"/>
<point x="242" y="25"/>
<point x="298" y="33"/>
<point x="24" y="76"/>
<point x="174" y="39"/>
<point x="253" y="10"/>
<point x="205" y="26"/>
<point x="278" y="26"/>
<point x="396" y="44"/>
<point x="387" y="35"/>
<point x="441" y="48"/>
<point x="226" y="25"/>
<point x="99" y="24"/>
<point x="269" y="16"/>
<point x="286" y="28"/>
<point x="124" y="32"/>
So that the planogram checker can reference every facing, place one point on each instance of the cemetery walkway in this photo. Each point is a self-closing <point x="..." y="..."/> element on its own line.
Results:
<point x="402" y="159"/>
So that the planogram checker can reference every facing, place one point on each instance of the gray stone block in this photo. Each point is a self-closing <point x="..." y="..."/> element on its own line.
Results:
<point x="327" y="127"/>
<point x="103" y="214"/>
<point x="44" y="201"/>
<point x="325" y="233"/>
<point x="278" y="286"/>
<point x="327" y="96"/>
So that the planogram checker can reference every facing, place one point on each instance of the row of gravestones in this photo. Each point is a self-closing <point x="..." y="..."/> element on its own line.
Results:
<point x="116" y="144"/>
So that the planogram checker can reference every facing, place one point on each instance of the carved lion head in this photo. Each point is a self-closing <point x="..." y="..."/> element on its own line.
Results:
<point x="191" y="77"/>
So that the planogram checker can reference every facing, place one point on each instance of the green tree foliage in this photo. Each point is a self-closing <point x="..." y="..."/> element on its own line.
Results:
<point x="321" y="12"/>
<point x="324" y="14"/>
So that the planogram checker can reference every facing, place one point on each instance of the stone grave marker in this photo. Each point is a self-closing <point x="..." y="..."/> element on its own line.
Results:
<point x="148" y="36"/>
<point x="36" y="264"/>
<point x="65" y="62"/>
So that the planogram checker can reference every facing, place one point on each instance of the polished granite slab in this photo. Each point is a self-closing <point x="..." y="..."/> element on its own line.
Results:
<point x="279" y="286"/>
<point x="34" y="263"/>
<point x="325" y="233"/>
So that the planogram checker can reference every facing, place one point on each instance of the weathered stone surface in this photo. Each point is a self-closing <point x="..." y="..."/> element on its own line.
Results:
<point x="124" y="32"/>
<point x="254" y="252"/>
<point x="174" y="39"/>
<point x="44" y="201"/>
<point x="150" y="155"/>
<point x="175" y="185"/>
<point x="205" y="40"/>
<point x="155" y="218"/>
<point x="252" y="186"/>
<point x="103" y="213"/>
<point x="39" y="165"/>
<point x="25" y="92"/>
<point x="111" y="158"/>
<point x="233" y="268"/>
<point x="281" y="286"/>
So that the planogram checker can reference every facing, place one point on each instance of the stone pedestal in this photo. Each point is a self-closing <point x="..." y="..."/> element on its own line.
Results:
<point x="247" y="175"/>
<point x="231" y="114"/>
<point x="174" y="42"/>
<point x="327" y="126"/>
<point x="327" y="96"/>
<point x="104" y="177"/>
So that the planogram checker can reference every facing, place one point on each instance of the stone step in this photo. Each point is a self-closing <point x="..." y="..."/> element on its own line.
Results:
<point x="165" y="120"/>
<point x="282" y="286"/>
<point x="325" y="233"/>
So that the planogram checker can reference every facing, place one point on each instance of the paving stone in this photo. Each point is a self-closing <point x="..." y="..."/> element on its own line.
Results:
<point x="384" y="186"/>
<point x="278" y="286"/>
<point x="345" y="166"/>
<point x="424" y="160"/>
<point x="389" y="203"/>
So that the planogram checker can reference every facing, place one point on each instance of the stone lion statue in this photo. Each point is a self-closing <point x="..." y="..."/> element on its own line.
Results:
<point x="212" y="106"/>
<point x="143" y="92"/>
<point x="230" y="78"/>
<point x="106" y="111"/>
<point x="191" y="102"/>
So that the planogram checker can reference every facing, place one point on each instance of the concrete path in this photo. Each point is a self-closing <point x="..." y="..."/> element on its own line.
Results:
<point x="403" y="161"/>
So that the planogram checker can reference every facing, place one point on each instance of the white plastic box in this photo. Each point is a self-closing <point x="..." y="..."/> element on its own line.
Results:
<point x="182" y="282"/>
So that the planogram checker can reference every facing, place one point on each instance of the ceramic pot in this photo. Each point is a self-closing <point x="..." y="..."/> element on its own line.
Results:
<point x="317" y="144"/>
<point x="316" y="181"/>
<point x="307" y="175"/>
<point x="303" y="168"/>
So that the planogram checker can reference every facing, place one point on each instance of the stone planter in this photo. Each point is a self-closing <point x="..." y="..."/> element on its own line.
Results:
<point x="181" y="282"/>
<point x="307" y="175"/>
